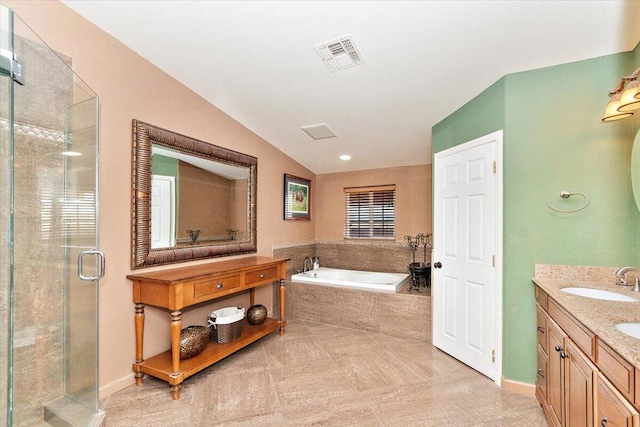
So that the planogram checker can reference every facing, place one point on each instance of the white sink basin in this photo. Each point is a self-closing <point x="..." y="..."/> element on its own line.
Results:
<point x="632" y="329"/>
<point x="599" y="294"/>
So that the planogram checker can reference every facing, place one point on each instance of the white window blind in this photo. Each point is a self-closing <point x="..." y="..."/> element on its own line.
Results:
<point x="370" y="212"/>
<point x="68" y="216"/>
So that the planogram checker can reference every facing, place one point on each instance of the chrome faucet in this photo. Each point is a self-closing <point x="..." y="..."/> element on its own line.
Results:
<point x="304" y="264"/>
<point x="621" y="278"/>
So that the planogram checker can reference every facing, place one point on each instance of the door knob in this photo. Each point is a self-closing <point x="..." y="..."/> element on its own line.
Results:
<point x="437" y="265"/>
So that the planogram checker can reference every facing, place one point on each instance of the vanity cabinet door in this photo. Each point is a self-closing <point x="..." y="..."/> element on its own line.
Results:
<point x="612" y="410"/>
<point x="579" y="378"/>
<point x="555" y="373"/>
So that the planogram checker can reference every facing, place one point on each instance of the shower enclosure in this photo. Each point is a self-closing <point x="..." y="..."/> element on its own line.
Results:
<point x="49" y="262"/>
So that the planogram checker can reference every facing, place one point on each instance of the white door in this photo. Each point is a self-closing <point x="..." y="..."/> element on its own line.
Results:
<point x="162" y="211"/>
<point x="466" y="288"/>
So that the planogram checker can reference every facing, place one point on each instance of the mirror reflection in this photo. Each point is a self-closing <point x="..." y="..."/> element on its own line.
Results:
<point x="195" y="200"/>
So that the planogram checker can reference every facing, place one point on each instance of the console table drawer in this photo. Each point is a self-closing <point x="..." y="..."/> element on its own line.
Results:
<point x="207" y="287"/>
<point x="260" y="275"/>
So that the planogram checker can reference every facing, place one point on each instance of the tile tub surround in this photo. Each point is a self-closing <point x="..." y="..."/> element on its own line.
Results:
<point x="328" y="376"/>
<point x="382" y="256"/>
<point x="401" y="315"/>
<point x="597" y="315"/>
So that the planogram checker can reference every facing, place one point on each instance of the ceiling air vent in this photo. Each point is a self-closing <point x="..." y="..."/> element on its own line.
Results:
<point x="340" y="53"/>
<point x="319" y="131"/>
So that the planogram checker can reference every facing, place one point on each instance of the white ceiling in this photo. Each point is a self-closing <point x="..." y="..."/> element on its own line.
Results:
<point x="255" y="60"/>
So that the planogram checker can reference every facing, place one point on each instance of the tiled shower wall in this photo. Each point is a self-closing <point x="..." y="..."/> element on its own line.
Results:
<point x="402" y="315"/>
<point x="39" y="258"/>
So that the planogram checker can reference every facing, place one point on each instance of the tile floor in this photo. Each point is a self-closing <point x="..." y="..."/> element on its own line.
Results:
<point x="320" y="375"/>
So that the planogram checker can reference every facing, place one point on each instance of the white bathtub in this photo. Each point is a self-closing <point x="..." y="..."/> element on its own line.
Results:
<point x="367" y="280"/>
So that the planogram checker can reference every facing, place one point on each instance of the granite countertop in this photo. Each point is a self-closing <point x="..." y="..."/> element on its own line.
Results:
<point x="597" y="315"/>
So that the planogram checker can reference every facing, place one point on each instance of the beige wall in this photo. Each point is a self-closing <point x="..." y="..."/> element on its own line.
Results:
<point x="413" y="199"/>
<point x="130" y="87"/>
<point x="206" y="205"/>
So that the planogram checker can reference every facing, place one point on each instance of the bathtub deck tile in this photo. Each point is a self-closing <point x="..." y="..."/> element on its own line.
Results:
<point x="409" y="316"/>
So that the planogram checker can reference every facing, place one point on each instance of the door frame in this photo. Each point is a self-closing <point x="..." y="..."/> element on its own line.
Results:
<point x="496" y="137"/>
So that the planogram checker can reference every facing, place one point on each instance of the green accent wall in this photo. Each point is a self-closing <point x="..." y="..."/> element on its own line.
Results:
<point x="163" y="165"/>
<point x="554" y="141"/>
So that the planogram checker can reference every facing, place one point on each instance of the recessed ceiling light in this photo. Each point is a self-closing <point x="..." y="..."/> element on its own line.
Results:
<point x="345" y="157"/>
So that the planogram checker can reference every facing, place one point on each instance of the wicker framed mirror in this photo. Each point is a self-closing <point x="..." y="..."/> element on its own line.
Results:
<point x="190" y="199"/>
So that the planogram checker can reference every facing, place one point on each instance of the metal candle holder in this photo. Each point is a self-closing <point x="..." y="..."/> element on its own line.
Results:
<point x="418" y="270"/>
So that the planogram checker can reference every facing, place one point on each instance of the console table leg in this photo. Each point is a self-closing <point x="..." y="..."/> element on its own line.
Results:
<point x="282" y="317"/>
<point x="175" y="391"/>
<point x="176" y="322"/>
<point x="139" y="322"/>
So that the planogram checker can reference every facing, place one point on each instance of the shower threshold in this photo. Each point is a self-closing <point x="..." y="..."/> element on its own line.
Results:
<point x="66" y="412"/>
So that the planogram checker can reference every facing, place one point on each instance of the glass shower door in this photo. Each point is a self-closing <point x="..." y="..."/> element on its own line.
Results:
<point x="48" y="191"/>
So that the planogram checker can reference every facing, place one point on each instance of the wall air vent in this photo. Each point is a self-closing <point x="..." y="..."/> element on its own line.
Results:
<point x="319" y="131"/>
<point x="340" y="53"/>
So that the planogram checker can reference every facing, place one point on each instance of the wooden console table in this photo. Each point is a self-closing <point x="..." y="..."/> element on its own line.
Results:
<point x="179" y="288"/>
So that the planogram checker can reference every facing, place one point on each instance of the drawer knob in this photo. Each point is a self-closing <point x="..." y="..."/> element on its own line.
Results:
<point x="262" y="276"/>
<point x="558" y="348"/>
<point x="540" y="329"/>
<point x="563" y="355"/>
<point x="219" y="286"/>
<point x="603" y="421"/>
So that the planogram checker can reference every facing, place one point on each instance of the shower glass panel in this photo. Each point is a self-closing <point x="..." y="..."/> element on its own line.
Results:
<point x="48" y="218"/>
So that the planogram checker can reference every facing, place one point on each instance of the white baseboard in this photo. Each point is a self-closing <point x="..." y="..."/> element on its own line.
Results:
<point x="518" y="387"/>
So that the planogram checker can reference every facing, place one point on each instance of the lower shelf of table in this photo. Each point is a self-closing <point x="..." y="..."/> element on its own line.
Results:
<point x="159" y="366"/>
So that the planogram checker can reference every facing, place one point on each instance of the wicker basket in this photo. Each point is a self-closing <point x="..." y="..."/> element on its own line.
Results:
<point x="226" y="324"/>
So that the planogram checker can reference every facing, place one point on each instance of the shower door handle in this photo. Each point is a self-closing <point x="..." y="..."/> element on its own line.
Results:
<point x="101" y="265"/>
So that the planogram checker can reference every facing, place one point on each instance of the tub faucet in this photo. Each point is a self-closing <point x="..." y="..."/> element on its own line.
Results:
<point x="304" y="264"/>
<point x="621" y="278"/>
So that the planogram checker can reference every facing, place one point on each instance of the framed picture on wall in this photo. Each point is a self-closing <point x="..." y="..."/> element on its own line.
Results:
<point x="297" y="198"/>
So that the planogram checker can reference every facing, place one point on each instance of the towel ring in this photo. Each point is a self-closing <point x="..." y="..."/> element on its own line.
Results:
<point x="566" y="195"/>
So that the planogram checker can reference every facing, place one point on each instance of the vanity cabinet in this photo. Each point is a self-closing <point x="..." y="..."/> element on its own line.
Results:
<point x="555" y="378"/>
<point x="612" y="409"/>
<point x="568" y="399"/>
<point x="579" y="376"/>
<point x="543" y="355"/>
<point x="180" y="288"/>
<point x="581" y="381"/>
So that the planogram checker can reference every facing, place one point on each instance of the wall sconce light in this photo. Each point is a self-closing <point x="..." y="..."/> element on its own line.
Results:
<point x="624" y="100"/>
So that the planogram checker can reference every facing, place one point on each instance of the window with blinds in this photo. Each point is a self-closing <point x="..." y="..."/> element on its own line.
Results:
<point x="370" y="212"/>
